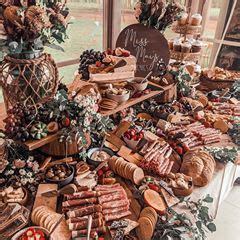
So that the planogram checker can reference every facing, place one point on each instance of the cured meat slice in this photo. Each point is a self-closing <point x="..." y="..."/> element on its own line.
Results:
<point x="77" y="202"/>
<point x="81" y="219"/>
<point x="82" y="188"/>
<point x="115" y="204"/>
<point x="115" y="210"/>
<point x="112" y="197"/>
<point x="194" y="124"/>
<point x="210" y="141"/>
<point x="163" y="167"/>
<point x="169" y="168"/>
<point x="107" y="187"/>
<point x="79" y="195"/>
<point x="83" y="225"/>
<point x="152" y="145"/>
<point x="168" y="153"/>
<point x="115" y="216"/>
<point x="195" y="144"/>
<point x="144" y="149"/>
<point x="81" y="233"/>
<point x="83" y="211"/>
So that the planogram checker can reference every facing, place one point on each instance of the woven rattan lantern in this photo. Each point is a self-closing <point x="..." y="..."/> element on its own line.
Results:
<point x="32" y="81"/>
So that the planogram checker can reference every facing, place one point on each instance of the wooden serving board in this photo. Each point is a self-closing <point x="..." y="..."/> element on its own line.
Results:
<point x="156" y="90"/>
<point x="35" y="144"/>
<point x="45" y="201"/>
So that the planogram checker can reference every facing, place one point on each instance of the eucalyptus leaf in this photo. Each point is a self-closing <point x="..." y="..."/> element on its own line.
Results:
<point x="211" y="227"/>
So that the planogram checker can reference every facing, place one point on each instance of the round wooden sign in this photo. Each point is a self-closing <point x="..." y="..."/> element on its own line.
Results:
<point x="148" y="45"/>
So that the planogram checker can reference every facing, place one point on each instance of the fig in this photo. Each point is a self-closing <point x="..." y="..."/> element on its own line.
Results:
<point x="52" y="127"/>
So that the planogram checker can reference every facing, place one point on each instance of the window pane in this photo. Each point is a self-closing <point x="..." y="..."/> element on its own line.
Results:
<point x="212" y="20"/>
<point x="67" y="73"/>
<point x="85" y="32"/>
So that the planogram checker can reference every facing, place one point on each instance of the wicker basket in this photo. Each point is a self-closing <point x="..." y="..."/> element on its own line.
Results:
<point x="187" y="29"/>
<point x="216" y="84"/>
<point x="168" y="95"/>
<point x="31" y="80"/>
<point x="61" y="149"/>
<point x="180" y="56"/>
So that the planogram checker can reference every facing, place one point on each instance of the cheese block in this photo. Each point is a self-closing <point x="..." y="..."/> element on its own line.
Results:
<point x="111" y="76"/>
<point x="131" y="60"/>
<point x="127" y="68"/>
<point x="154" y="200"/>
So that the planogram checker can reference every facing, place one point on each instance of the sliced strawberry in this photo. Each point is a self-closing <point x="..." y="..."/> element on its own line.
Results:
<point x="98" y="64"/>
<point x="153" y="187"/>
<point x="179" y="150"/>
<point x="100" y="172"/>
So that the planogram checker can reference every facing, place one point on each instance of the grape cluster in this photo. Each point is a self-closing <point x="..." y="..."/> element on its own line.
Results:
<point x="17" y="121"/>
<point x="87" y="58"/>
<point x="62" y="86"/>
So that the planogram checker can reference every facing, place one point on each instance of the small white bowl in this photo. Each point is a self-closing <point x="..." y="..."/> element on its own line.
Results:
<point x="136" y="82"/>
<point x="119" y="98"/>
<point x="19" y="234"/>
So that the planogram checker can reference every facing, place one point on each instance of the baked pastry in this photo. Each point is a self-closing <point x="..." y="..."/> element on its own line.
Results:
<point x="170" y="43"/>
<point x="196" y="46"/>
<point x="199" y="165"/>
<point x="183" y="19"/>
<point x="186" y="47"/>
<point x="196" y="19"/>
<point x="177" y="45"/>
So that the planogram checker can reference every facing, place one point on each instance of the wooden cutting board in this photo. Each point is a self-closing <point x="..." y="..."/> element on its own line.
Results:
<point x="45" y="201"/>
<point x="61" y="232"/>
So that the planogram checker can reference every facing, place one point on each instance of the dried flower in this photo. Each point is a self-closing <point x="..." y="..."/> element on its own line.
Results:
<point x="18" y="163"/>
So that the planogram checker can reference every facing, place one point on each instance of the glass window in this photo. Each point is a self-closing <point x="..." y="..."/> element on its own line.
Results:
<point x="86" y="30"/>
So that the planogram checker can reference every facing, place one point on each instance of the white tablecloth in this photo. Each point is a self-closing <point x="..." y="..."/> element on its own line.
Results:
<point x="220" y="185"/>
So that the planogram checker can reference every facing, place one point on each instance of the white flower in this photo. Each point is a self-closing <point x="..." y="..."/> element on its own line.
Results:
<point x="23" y="181"/>
<point x="31" y="180"/>
<point x="30" y="158"/>
<point x="29" y="174"/>
<point x="11" y="172"/>
<point x="22" y="172"/>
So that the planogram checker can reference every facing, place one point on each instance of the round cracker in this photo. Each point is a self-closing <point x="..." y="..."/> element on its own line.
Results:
<point x="138" y="176"/>
<point x="145" y="229"/>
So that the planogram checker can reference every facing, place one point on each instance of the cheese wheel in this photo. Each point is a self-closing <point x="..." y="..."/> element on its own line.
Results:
<point x="154" y="200"/>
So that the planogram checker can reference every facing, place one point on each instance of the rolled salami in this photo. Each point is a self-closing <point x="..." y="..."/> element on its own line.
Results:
<point x="81" y="233"/>
<point x="81" y="219"/>
<point x="83" y="211"/>
<point x="115" y="210"/>
<point x="120" y="195"/>
<point x="79" y="195"/>
<point x="83" y="225"/>
<point x="79" y="202"/>
<point x="115" y="216"/>
<point x="115" y="204"/>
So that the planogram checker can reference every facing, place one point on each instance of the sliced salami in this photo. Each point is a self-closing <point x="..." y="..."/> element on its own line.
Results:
<point x="115" y="210"/>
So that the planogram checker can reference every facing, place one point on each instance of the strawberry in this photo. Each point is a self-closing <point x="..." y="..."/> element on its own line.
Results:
<point x="100" y="172"/>
<point x="98" y="64"/>
<point x="179" y="150"/>
<point x="153" y="187"/>
<point x="126" y="54"/>
<point x="109" y="51"/>
<point x="66" y="122"/>
<point x="186" y="148"/>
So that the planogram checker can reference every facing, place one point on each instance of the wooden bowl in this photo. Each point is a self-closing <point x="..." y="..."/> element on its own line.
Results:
<point x="179" y="192"/>
<point x="19" y="234"/>
<point x="24" y="200"/>
<point x="136" y="82"/>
